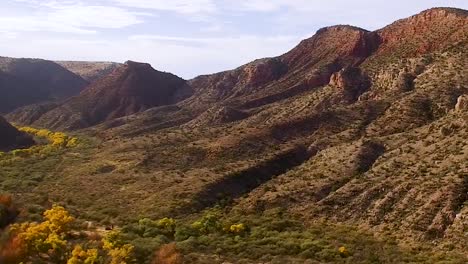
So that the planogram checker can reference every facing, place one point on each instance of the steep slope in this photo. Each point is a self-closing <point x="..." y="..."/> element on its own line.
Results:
<point x="307" y="66"/>
<point x="11" y="138"/>
<point x="237" y="92"/>
<point x="412" y="113"/>
<point x="131" y="88"/>
<point x="89" y="70"/>
<point x="16" y="92"/>
<point x="27" y="81"/>
<point x="431" y="30"/>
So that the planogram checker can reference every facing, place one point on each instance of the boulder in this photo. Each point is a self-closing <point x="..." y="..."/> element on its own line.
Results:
<point x="462" y="103"/>
<point x="351" y="82"/>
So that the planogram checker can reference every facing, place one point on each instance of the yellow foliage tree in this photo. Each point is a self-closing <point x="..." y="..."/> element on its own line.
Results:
<point x="237" y="229"/>
<point x="81" y="256"/>
<point x="343" y="251"/>
<point x="46" y="239"/>
<point x="168" y="225"/>
<point x="119" y="252"/>
<point x="46" y="242"/>
<point x="57" y="139"/>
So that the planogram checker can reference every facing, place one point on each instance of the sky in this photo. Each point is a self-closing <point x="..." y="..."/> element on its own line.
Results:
<point x="185" y="37"/>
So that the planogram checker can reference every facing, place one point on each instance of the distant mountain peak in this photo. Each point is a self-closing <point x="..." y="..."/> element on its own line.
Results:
<point x="90" y="70"/>
<point x="443" y="11"/>
<point x="430" y="30"/>
<point x="134" y="64"/>
<point x="341" y="28"/>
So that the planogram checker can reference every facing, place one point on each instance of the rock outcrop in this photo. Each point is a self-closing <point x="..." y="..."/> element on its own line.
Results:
<point x="462" y="104"/>
<point x="351" y="83"/>
<point x="309" y="65"/>
<point x="424" y="32"/>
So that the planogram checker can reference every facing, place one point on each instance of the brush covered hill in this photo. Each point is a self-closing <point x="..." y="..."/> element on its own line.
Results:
<point x="370" y="133"/>
<point x="131" y="88"/>
<point x="89" y="70"/>
<point x="11" y="138"/>
<point x="29" y="81"/>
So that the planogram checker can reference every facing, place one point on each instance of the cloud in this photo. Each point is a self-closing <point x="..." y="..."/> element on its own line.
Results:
<point x="227" y="33"/>
<point x="179" y="6"/>
<point x="264" y="5"/>
<point x="186" y="57"/>
<point x="8" y="35"/>
<point x="176" y="39"/>
<point x="370" y="14"/>
<point x="68" y="17"/>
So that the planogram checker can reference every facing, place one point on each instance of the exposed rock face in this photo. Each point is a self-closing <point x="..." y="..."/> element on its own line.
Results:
<point x="262" y="72"/>
<point x="307" y="66"/>
<point x="337" y="44"/>
<point x="404" y="82"/>
<point x="462" y="103"/>
<point x="28" y="81"/>
<point x="11" y="138"/>
<point x="241" y="81"/>
<point x="131" y="88"/>
<point x="424" y="32"/>
<point x="351" y="82"/>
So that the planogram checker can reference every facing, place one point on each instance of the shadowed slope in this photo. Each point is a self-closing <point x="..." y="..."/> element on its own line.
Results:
<point x="11" y="138"/>
<point x="28" y="81"/>
<point x="131" y="88"/>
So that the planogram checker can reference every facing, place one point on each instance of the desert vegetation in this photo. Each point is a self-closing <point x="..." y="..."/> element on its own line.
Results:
<point x="271" y="236"/>
<point x="57" y="239"/>
<point x="334" y="152"/>
<point x="50" y="143"/>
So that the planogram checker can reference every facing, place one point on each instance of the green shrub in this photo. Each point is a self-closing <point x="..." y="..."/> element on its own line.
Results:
<point x="207" y="224"/>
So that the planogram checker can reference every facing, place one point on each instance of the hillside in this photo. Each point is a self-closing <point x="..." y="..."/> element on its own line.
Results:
<point x="11" y="138"/>
<point x="29" y="81"/>
<point x="131" y="88"/>
<point x="362" y="143"/>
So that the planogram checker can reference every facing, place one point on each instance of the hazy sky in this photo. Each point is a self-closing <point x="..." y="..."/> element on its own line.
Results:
<point x="186" y="37"/>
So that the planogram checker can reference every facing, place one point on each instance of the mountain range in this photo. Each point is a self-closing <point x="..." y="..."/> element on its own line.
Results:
<point x="366" y="128"/>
